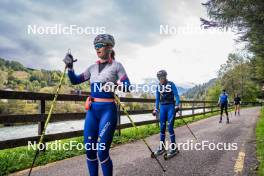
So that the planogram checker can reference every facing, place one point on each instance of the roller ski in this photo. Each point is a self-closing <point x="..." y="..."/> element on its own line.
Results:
<point x="227" y="121"/>
<point x="220" y="121"/>
<point x="170" y="154"/>
<point x="158" y="152"/>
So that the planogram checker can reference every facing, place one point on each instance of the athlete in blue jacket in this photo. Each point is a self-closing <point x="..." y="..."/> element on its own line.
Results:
<point x="223" y="102"/>
<point x="167" y="107"/>
<point x="101" y="116"/>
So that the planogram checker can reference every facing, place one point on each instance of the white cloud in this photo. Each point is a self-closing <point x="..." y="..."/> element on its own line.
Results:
<point x="193" y="57"/>
<point x="187" y="58"/>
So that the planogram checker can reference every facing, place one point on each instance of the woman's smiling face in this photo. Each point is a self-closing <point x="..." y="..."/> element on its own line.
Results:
<point x="103" y="52"/>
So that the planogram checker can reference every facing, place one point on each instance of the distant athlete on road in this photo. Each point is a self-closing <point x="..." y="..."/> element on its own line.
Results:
<point x="237" y="102"/>
<point x="223" y="102"/>
<point x="167" y="108"/>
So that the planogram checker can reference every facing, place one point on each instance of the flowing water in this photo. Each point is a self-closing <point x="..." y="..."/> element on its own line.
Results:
<point x="21" y="131"/>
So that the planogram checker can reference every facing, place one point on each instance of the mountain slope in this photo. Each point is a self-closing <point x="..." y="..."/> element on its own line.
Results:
<point x="198" y="92"/>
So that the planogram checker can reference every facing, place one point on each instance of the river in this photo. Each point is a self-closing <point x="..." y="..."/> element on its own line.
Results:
<point x="21" y="131"/>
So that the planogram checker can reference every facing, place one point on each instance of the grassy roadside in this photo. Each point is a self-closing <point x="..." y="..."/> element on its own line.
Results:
<point x="260" y="143"/>
<point x="20" y="158"/>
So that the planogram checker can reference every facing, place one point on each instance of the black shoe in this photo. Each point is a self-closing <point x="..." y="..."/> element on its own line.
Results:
<point x="220" y="121"/>
<point x="227" y="121"/>
<point x="170" y="154"/>
<point x="159" y="151"/>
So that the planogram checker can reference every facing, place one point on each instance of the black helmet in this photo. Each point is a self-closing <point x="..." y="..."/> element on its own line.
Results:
<point x="162" y="74"/>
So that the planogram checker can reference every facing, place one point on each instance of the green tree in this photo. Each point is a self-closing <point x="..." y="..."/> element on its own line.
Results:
<point x="2" y="64"/>
<point x="214" y="91"/>
<point x="3" y="79"/>
<point x="244" y="16"/>
<point x="10" y="76"/>
<point x="16" y="66"/>
<point x="235" y="77"/>
<point x="55" y="76"/>
<point x="2" y="107"/>
<point x="239" y="79"/>
<point x="36" y="76"/>
<point x="43" y="84"/>
<point x="36" y="85"/>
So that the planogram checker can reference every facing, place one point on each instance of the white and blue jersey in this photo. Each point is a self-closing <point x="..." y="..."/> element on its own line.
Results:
<point x="112" y="72"/>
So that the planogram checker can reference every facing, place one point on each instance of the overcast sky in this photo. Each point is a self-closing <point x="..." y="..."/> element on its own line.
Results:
<point x="190" y="55"/>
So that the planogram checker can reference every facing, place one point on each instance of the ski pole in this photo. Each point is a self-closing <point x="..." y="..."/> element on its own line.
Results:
<point x="47" y="121"/>
<point x="134" y="125"/>
<point x="188" y="127"/>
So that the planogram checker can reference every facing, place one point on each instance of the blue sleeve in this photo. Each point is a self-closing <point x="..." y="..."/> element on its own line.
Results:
<point x="175" y="92"/>
<point x="126" y="84"/>
<point x="157" y="98"/>
<point x="123" y="78"/>
<point x="77" y="79"/>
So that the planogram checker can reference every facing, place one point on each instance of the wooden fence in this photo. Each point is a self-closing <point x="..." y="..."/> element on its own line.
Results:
<point x="42" y="98"/>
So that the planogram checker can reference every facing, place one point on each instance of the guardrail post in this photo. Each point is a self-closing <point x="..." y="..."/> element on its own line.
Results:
<point x="118" y="119"/>
<point x="41" y="124"/>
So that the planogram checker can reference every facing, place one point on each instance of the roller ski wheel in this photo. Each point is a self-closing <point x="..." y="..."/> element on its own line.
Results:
<point x="170" y="154"/>
<point x="227" y="121"/>
<point x="157" y="153"/>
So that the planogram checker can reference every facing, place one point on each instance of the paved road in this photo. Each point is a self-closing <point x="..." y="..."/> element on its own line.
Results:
<point x="134" y="159"/>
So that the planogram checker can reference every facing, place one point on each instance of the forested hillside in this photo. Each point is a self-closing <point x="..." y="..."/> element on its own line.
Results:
<point x="14" y="76"/>
<point x="198" y="92"/>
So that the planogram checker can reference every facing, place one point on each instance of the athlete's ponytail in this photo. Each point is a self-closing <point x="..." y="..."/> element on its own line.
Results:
<point x="113" y="54"/>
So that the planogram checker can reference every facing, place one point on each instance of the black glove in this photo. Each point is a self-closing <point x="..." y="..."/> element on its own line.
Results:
<point x="154" y="112"/>
<point x="177" y="109"/>
<point x="68" y="60"/>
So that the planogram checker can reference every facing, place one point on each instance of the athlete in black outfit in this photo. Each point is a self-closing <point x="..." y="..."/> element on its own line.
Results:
<point x="237" y="102"/>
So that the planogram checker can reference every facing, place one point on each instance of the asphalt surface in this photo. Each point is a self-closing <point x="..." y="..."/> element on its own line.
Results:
<point x="134" y="158"/>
